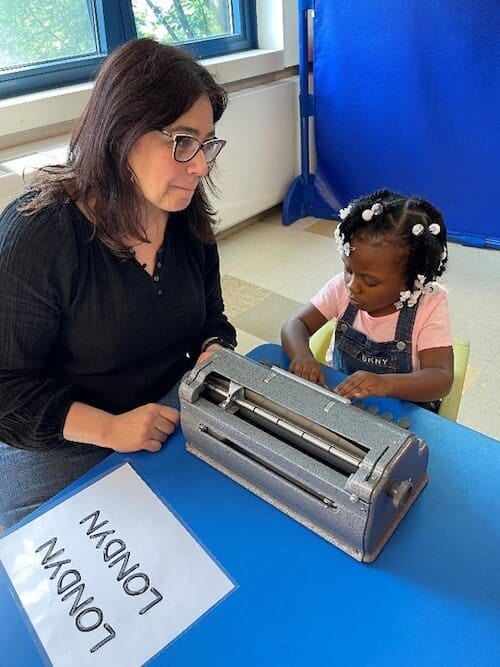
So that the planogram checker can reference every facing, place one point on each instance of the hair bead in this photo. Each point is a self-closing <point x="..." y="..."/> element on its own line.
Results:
<point x="368" y="213"/>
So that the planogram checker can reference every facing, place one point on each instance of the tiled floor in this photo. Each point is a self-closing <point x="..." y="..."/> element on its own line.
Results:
<point x="269" y="270"/>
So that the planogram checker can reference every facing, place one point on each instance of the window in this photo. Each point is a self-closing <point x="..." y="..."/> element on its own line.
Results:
<point x="49" y="43"/>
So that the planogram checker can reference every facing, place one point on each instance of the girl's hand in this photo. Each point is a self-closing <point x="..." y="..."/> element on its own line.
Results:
<point x="146" y="427"/>
<point x="362" y="384"/>
<point x="308" y="368"/>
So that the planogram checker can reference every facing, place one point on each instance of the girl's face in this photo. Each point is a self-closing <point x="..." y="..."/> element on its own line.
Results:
<point x="374" y="276"/>
<point x="168" y="185"/>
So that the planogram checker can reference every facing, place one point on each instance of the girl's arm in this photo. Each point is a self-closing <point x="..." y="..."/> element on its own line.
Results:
<point x="431" y="382"/>
<point x="295" y="335"/>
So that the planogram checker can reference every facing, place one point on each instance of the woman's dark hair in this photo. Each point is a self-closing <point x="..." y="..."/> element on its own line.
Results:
<point x="142" y="86"/>
<point x="425" y="254"/>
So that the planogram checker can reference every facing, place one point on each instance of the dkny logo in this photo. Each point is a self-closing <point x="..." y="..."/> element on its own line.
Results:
<point x="375" y="361"/>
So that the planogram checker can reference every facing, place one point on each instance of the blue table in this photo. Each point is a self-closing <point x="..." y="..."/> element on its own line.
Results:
<point x="431" y="598"/>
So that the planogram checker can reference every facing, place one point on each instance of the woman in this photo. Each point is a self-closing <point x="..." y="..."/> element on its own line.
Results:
<point x="109" y="277"/>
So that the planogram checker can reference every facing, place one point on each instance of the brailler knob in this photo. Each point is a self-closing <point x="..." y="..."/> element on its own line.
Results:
<point x="400" y="492"/>
<point x="404" y="422"/>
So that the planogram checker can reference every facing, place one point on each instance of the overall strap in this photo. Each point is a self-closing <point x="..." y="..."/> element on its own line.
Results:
<point x="350" y="315"/>
<point x="406" y="321"/>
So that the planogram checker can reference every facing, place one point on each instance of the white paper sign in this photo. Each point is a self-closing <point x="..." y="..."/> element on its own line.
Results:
<point x="110" y="576"/>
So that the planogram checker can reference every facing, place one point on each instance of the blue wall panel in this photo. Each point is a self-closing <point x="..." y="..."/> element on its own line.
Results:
<point x="407" y="95"/>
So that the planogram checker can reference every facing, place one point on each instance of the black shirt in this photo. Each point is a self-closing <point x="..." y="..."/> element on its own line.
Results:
<point x="79" y="323"/>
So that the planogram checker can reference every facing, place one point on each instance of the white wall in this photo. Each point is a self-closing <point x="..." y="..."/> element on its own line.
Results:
<point x="262" y="156"/>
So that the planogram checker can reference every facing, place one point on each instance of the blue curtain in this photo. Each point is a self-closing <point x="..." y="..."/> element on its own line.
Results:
<point x="407" y="96"/>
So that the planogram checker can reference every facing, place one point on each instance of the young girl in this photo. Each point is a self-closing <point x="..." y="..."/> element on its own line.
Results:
<point x="393" y="333"/>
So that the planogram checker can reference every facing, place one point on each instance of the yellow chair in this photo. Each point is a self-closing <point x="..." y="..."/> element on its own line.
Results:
<point x="320" y="341"/>
<point x="450" y="404"/>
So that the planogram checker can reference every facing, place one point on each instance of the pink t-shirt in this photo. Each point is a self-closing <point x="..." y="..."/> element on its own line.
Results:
<point x="431" y="328"/>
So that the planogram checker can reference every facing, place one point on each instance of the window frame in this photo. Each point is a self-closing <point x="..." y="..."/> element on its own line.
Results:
<point x="243" y="38"/>
<point x="115" y="25"/>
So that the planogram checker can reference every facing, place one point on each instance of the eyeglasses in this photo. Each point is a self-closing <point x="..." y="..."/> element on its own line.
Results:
<point x="186" y="147"/>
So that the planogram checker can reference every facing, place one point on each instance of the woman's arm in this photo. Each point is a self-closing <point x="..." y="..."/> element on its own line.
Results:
<point x="37" y="263"/>
<point x="295" y="335"/>
<point x="38" y="269"/>
<point x="216" y="324"/>
<point x="146" y="427"/>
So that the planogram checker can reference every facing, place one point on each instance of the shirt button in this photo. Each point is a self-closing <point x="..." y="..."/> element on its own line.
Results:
<point x="159" y="292"/>
<point x="400" y="345"/>
<point x="158" y="265"/>
<point x="156" y="278"/>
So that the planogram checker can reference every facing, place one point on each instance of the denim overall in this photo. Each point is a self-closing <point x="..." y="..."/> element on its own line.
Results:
<point x="354" y="351"/>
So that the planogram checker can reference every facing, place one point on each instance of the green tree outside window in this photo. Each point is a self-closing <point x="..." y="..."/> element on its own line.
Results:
<point x="39" y="31"/>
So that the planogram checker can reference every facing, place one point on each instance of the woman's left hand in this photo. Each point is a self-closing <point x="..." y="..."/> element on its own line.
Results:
<point x="208" y="353"/>
<point x="362" y="384"/>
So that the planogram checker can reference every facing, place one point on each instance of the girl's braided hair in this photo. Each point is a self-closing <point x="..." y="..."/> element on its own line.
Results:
<point x="427" y="252"/>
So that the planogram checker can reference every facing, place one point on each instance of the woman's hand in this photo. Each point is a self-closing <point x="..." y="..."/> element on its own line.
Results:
<point x="145" y="427"/>
<point x="308" y="368"/>
<point x="208" y="353"/>
<point x="362" y="384"/>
